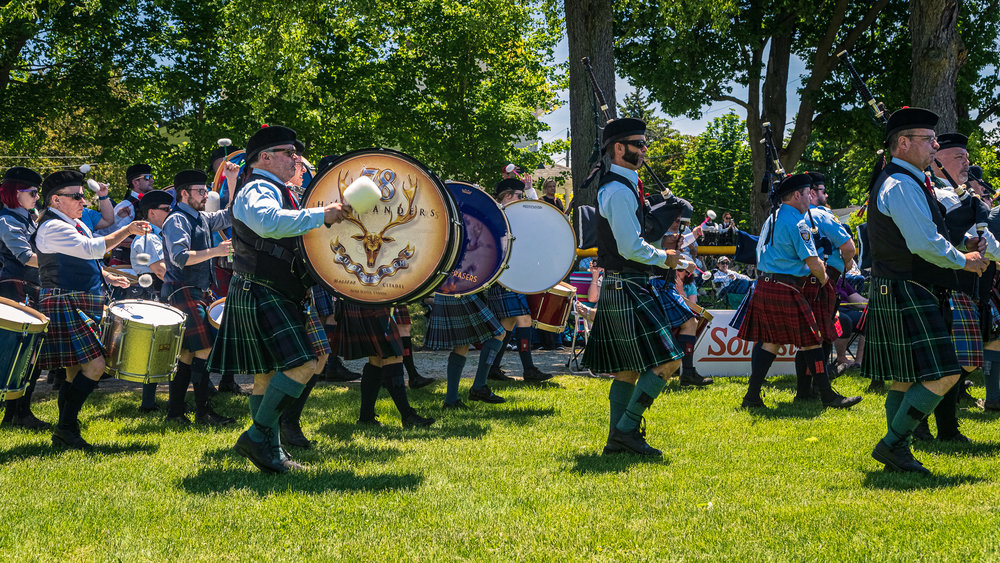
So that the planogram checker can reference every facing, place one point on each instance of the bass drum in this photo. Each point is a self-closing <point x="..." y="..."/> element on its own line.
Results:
<point x="398" y="251"/>
<point x="487" y="241"/>
<point x="544" y="247"/>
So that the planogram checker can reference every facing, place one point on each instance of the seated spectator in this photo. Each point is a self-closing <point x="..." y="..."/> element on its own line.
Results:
<point x="850" y="310"/>
<point x="730" y="283"/>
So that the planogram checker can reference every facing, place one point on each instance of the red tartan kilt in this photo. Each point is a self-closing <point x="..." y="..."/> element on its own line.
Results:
<point x="401" y="314"/>
<point x="364" y="332"/>
<point x="779" y="314"/>
<point x="823" y="302"/>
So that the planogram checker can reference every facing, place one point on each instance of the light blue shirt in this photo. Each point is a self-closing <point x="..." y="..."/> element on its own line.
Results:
<point x="791" y="245"/>
<point x="901" y="198"/>
<point x="831" y="228"/>
<point x="258" y="206"/>
<point x="91" y="218"/>
<point x="618" y="204"/>
<point x="149" y="243"/>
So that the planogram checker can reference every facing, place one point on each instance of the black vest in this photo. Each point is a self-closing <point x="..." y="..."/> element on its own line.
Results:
<point x="62" y="271"/>
<point x="607" y="248"/>
<point x="890" y="257"/>
<point x="12" y="268"/>
<point x="274" y="260"/>
<point x="201" y="239"/>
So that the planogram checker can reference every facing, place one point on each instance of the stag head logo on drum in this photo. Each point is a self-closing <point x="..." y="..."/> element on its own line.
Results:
<point x="372" y="242"/>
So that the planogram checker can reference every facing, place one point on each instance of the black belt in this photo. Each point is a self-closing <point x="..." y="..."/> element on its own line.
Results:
<point x="789" y="279"/>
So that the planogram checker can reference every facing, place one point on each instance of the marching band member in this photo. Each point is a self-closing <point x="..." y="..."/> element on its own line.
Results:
<point x="140" y="180"/>
<point x="630" y="338"/>
<point x="19" y="271"/>
<point x="72" y="296"/>
<point x="512" y="308"/>
<point x="187" y="235"/>
<point x="908" y="340"/>
<point x="782" y="309"/>
<point x="268" y="329"/>
<point x="402" y="316"/>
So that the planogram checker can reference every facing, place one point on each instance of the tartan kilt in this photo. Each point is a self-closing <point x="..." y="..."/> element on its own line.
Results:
<point x="264" y="331"/>
<point x="823" y="301"/>
<point x="401" y="314"/>
<point x="457" y="321"/>
<point x="71" y="339"/>
<point x="322" y="302"/>
<point x="780" y="314"/>
<point x="630" y="331"/>
<point x="965" y="332"/>
<point x="20" y="291"/>
<point x="199" y="334"/>
<point x="674" y="306"/>
<point x="364" y="331"/>
<point x="907" y="337"/>
<point x="505" y="303"/>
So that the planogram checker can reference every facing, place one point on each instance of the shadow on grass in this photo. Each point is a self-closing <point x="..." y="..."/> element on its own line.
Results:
<point x="985" y="449"/>
<point x="27" y="451"/>
<point x="513" y="413"/>
<point x="597" y="463"/>
<point x="977" y="414"/>
<point x="345" y="431"/>
<point x="810" y="409"/>
<point x="212" y="480"/>
<point x="912" y="481"/>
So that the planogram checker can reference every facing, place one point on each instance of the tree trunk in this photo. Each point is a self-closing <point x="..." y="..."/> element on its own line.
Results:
<point x="589" y="33"/>
<point x="938" y="54"/>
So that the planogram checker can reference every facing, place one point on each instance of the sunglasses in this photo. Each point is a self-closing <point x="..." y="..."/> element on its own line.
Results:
<point x="289" y="152"/>
<point x="33" y="192"/>
<point x="77" y="196"/>
<point x="637" y="144"/>
<point x="145" y="176"/>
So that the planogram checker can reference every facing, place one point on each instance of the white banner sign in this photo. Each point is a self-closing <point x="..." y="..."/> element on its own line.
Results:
<point x="721" y="353"/>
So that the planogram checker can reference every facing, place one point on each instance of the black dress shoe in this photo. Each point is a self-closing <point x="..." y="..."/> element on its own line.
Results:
<point x="337" y="371"/>
<point x="898" y="458"/>
<point x="691" y="378"/>
<point x="838" y="401"/>
<point x="234" y="389"/>
<point x="457" y="405"/>
<point x="29" y="421"/>
<point x="875" y="387"/>
<point x="991" y="405"/>
<point x="212" y="418"/>
<point x="535" y="374"/>
<point x="371" y="422"/>
<point x="292" y="435"/>
<point x="613" y="448"/>
<point x="955" y="437"/>
<point x="259" y="453"/>
<point x="417" y="381"/>
<point x="485" y="394"/>
<point x="147" y="410"/>
<point x="69" y="438"/>
<point x="499" y="375"/>
<point x="750" y="403"/>
<point x="414" y="419"/>
<point x="181" y="419"/>
<point x="634" y="442"/>
<point x="923" y="432"/>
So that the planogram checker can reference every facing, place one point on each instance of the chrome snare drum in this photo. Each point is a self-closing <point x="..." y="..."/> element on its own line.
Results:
<point x="142" y="340"/>
<point x="22" y="330"/>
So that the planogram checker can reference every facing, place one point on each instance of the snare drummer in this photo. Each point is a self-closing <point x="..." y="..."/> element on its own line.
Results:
<point x="512" y="308"/>
<point x="72" y="296"/>
<point x="19" y="271"/>
<point x="268" y="329"/>
<point x="187" y="235"/>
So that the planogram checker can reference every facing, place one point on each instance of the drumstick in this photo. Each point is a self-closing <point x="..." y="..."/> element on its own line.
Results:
<point x="117" y="272"/>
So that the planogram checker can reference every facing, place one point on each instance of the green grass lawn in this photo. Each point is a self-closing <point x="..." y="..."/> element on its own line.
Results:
<point x="519" y="481"/>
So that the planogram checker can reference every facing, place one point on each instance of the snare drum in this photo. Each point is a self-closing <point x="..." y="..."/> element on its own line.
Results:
<point x="215" y="311"/>
<point x="549" y="310"/>
<point x="398" y="251"/>
<point x="22" y="330"/>
<point x="487" y="241"/>
<point x="142" y="340"/>
<point x="543" y="250"/>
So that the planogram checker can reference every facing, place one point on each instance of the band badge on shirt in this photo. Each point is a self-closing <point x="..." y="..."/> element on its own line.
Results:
<point x="804" y="232"/>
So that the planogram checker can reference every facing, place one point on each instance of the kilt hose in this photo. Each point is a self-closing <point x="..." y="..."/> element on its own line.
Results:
<point x="74" y="332"/>
<point x="966" y="334"/>
<point x="630" y="331"/>
<point x="461" y="320"/>
<point x="907" y="334"/>
<point x="264" y="331"/>
<point x="199" y="333"/>
<point x="780" y="313"/>
<point x="364" y="332"/>
<point x="20" y="291"/>
<point x="505" y="303"/>
<point x="675" y="307"/>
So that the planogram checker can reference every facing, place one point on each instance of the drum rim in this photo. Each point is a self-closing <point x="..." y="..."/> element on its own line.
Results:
<point x="208" y="313"/>
<point x="510" y="245"/>
<point x="572" y="233"/>
<point x="217" y="179"/>
<point x="447" y="260"/>
<point x="109" y="312"/>
<point x="31" y="328"/>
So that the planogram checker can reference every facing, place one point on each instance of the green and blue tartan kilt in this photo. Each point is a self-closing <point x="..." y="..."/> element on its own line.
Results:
<point x="965" y="332"/>
<point x="199" y="334"/>
<point x="461" y="320"/>
<point x="364" y="331"/>
<point x="779" y="313"/>
<point x="323" y="302"/>
<point x="505" y="303"/>
<point x="74" y="335"/>
<point x="675" y="307"/>
<point x="630" y="331"/>
<point x="907" y="333"/>
<point x="20" y="291"/>
<point x="264" y="331"/>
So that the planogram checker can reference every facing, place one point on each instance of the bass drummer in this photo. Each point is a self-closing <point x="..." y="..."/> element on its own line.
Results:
<point x="268" y="329"/>
<point x="72" y="295"/>
<point x="512" y="308"/>
<point x="19" y="272"/>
